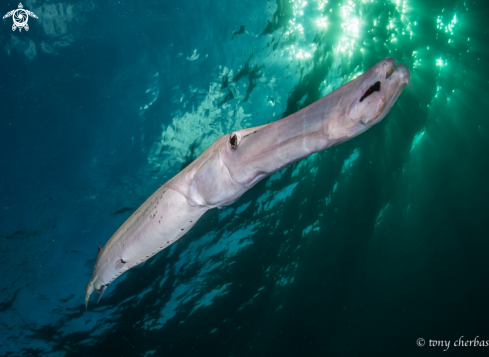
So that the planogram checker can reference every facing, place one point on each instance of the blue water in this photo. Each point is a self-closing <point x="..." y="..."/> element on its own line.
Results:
<point x="358" y="250"/>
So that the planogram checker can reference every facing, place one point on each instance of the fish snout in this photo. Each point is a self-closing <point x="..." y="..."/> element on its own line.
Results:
<point x="387" y="67"/>
<point x="378" y="91"/>
<point x="403" y="74"/>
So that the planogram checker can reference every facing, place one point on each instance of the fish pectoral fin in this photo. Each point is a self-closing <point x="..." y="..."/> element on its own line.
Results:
<point x="100" y="249"/>
<point x="101" y="292"/>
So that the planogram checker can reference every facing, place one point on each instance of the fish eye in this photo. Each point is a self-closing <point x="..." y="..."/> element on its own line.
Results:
<point x="234" y="140"/>
<point x="373" y="88"/>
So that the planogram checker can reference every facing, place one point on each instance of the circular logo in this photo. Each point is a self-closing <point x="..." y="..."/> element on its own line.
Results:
<point x="20" y="17"/>
<point x="420" y="342"/>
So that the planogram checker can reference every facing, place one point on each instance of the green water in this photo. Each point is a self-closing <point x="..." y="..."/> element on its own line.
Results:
<point x="408" y="221"/>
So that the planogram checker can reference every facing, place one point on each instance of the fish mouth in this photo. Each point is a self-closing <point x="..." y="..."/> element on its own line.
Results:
<point x="386" y="77"/>
<point x="378" y="90"/>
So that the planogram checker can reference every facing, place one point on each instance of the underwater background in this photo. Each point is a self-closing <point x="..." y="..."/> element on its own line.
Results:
<point x="358" y="250"/>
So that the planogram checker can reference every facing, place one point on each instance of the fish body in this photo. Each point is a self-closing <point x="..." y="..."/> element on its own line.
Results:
<point x="236" y="162"/>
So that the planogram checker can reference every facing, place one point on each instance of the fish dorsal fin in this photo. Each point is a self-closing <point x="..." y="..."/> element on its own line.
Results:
<point x="100" y="249"/>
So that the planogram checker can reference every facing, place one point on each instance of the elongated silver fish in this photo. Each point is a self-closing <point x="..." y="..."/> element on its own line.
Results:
<point x="236" y="162"/>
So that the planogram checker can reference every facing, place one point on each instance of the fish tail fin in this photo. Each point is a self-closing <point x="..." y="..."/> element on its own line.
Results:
<point x="88" y="292"/>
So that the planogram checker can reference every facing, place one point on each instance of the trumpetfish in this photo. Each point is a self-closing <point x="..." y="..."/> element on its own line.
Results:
<point x="236" y="162"/>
